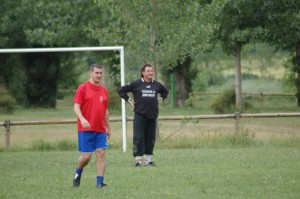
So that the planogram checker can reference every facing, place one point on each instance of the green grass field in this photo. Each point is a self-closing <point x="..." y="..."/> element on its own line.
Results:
<point x="181" y="173"/>
<point x="196" y="159"/>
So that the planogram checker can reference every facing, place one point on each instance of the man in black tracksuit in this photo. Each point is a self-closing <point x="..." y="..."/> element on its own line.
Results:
<point x="145" y="102"/>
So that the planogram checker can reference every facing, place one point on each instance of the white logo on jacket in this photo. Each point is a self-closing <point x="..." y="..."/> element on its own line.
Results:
<point x="148" y="93"/>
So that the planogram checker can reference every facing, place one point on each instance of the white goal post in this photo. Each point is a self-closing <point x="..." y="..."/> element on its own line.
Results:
<point x="77" y="49"/>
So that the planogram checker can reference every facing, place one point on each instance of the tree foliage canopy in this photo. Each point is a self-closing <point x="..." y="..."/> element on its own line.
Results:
<point x="165" y="33"/>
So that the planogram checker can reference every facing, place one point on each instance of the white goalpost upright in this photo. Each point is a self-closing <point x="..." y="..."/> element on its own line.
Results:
<point x="77" y="49"/>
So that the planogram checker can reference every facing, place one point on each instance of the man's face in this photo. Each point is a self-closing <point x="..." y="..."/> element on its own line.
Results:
<point x="96" y="75"/>
<point x="148" y="73"/>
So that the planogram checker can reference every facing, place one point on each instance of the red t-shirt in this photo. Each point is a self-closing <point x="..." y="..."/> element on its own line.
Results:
<point x="93" y="102"/>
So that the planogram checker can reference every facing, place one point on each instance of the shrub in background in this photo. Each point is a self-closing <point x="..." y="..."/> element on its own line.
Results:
<point x="41" y="145"/>
<point x="7" y="102"/>
<point x="241" y="137"/>
<point x="225" y="103"/>
<point x="61" y="145"/>
<point x="65" y="145"/>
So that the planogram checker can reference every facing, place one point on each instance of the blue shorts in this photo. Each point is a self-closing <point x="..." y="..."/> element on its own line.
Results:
<point x="90" y="141"/>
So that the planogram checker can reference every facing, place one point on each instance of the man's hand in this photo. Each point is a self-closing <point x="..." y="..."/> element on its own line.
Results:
<point x="160" y="99"/>
<point x="108" y="134"/>
<point x="131" y="102"/>
<point x="85" y="124"/>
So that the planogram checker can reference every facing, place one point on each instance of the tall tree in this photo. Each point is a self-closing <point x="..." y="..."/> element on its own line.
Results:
<point x="33" y="78"/>
<point x="237" y="23"/>
<point x="159" y="32"/>
<point x="12" y="72"/>
<point x="283" y="30"/>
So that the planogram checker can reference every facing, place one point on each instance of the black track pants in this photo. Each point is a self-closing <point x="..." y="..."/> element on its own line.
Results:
<point x="144" y="132"/>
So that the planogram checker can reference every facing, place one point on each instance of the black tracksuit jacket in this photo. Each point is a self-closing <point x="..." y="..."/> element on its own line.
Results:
<point x="145" y="96"/>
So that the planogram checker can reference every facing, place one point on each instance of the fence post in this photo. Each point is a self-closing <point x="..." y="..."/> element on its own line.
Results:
<point x="261" y="100"/>
<point x="7" y="133"/>
<point x="237" y="121"/>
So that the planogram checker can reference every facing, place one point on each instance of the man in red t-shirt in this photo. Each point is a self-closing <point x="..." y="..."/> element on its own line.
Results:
<point x="91" y="108"/>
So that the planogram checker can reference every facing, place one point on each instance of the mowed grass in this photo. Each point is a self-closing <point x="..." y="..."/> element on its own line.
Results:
<point x="181" y="173"/>
<point x="196" y="159"/>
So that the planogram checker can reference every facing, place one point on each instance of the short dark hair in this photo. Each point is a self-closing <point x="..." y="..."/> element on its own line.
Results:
<point x="93" y="66"/>
<point x="144" y="67"/>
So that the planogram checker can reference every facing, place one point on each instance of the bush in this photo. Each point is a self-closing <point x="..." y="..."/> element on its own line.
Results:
<point x="7" y="102"/>
<point x="114" y="100"/>
<point x="225" y="103"/>
<point x="241" y="138"/>
<point x="190" y="102"/>
<point x="41" y="145"/>
<point x="61" y="145"/>
<point x="66" y="145"/>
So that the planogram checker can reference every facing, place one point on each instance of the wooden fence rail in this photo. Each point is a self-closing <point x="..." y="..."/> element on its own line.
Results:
<point x="237" y="116"/>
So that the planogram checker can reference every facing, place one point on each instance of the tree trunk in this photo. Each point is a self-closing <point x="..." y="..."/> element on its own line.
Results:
<point x="298" y="73"/>
<point x="238" y="81"/>
<point x="180" y="88"/>
<point x="182" y="80"/>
